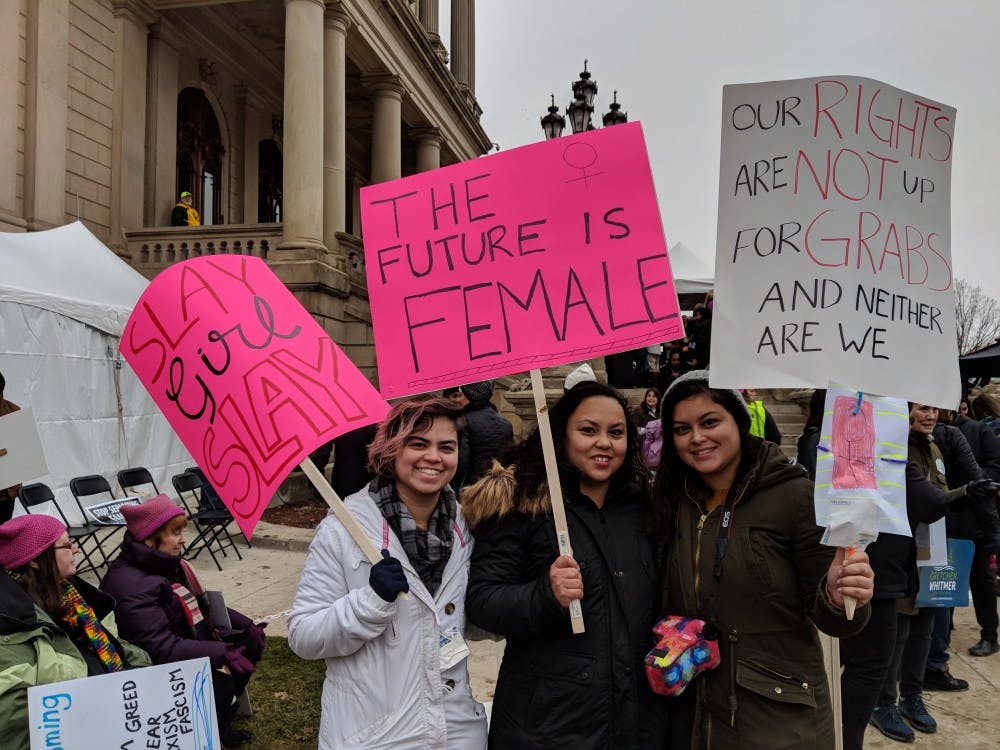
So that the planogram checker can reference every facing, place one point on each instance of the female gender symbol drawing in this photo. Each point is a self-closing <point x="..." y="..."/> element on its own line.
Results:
<point x="580" y="156"/>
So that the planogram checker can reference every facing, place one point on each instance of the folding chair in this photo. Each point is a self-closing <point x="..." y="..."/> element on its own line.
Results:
<point x="210" y="524"/>
<point x="90" y="486"/>
<point x="209" y="500"/>
<point x="133" y="481"/>
<point x="33" y="495"/>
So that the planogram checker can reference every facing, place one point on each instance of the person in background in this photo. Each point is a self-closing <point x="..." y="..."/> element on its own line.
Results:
<point x="557" y="689"/>
<point x="699" y="335"/>
<point x="184" y="213"/>
<point x="740" y="549"/>
<point x="809" y="439"/>
<point x="54" y="626"/>
<point x="986" y="408"/>
<point x="970" y="451"/>
<point x="648" y="410"/>
<point x="674" y="369"/>
<point x="396" y="669"/>
<point x="762" y="424"/>
<point x="963" y="406"/>
<point x="486" y="437"/>
<point x="162" y="606"/>
<point x="654" y="353"/>
<point x="8" y="494"/>
<point x="456" y="395"/>
<point x="350" y="462"/>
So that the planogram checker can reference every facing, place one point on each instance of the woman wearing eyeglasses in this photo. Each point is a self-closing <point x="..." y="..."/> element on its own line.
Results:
<point x="54" y="626"/>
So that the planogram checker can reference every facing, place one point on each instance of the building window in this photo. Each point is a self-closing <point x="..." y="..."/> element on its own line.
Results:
<point x="199" y="154"/>
<point x="268" y="181"/>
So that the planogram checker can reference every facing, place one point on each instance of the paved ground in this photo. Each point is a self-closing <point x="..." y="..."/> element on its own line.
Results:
<point x="262" y="586"/>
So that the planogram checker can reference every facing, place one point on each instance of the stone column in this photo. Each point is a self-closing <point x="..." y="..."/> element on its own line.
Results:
<point x="335" y="124"/>
<point x="387" y="112"/>
<point x="128" y="125"/>
<point x="463" y="42"/>
<point x="238" y="155"/>
<point x="428" y="148"/>
<point x="302" y="223"/>
<point x="10" y="218"/>
<point x="46" y="107"/>
<point x="161" y="128"/>
<point x="430" y="16"/>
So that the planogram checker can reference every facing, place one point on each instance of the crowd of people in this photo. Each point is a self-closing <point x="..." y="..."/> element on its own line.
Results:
<point x="700" y="573"/>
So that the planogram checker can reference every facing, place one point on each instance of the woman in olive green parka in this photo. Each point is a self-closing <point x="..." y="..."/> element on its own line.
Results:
<point x="53" y="625"/>
<point x="766" y="588"/>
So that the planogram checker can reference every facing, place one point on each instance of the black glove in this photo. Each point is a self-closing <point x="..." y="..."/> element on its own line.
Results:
<point x="981" y="490"/>
<point x="387" y="577"/>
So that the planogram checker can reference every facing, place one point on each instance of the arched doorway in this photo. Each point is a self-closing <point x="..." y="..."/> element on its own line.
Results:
<point x="199" y="154"/>
<point x="268" y="181"/>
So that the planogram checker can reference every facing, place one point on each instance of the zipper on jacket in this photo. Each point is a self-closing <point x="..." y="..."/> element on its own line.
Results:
<point x="697" y="555"/>
<point x="733" y="640"/>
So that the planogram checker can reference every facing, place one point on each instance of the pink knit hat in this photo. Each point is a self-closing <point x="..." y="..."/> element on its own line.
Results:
<point x="24" y="538"/>
<point x="142" y="520"/>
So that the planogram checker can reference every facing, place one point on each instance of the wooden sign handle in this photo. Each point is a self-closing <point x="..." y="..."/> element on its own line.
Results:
<point x="340" y="510"/>
<point x="555" y="487"/>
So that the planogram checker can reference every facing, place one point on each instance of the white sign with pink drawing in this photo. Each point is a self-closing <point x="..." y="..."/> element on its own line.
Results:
<point x="861" y="467"/>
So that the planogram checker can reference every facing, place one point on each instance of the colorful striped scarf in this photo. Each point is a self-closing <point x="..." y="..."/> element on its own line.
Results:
<point x="80" y="617"/>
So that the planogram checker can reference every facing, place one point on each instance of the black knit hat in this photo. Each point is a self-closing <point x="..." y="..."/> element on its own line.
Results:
<point x="478" y="392"/>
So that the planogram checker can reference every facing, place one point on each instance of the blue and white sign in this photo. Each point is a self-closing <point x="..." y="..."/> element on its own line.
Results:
<point x="166" y="706"/>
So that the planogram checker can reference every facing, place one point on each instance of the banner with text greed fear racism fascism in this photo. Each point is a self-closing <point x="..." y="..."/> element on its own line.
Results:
<point x="538" y="256"/>
<point x="833" y="256"/>
<point x="248" y="380"/>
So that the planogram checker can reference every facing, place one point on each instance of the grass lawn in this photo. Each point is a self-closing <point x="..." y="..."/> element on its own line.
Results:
<point x="285" y="695"/>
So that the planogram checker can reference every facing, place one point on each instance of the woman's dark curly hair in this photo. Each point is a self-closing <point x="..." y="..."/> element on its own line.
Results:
<point x="674" y="476"/>
<point x="529" y="466"/>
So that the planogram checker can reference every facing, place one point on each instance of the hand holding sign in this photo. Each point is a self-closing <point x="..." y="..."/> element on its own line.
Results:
<point x="245" y="376"/>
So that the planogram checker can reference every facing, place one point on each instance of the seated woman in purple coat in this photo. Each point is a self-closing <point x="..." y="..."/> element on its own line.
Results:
<point x="163" y="608"/>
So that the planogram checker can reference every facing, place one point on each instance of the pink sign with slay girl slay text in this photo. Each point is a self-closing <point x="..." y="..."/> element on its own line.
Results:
<point x="248" y="380"/>
<point x="537" y="256"/>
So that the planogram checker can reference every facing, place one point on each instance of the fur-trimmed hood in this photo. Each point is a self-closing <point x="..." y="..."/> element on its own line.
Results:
<point x="495" y="495"/>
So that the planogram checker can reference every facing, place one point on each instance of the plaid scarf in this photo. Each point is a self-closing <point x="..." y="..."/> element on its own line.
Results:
<point x="428" y="549"/>
<point x="192" y="600"/>
<point x="81" y="618"/>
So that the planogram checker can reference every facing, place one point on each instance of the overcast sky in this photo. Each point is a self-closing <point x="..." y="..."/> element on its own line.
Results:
<point x="669" y="60"/>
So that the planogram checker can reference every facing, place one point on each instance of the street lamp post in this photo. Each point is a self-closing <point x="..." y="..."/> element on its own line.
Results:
<point x="620" y="368"/>
<point x="580" y="111"/>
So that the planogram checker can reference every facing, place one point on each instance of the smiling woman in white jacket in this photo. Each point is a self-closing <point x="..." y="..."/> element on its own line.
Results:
<point x="396" y="669"/>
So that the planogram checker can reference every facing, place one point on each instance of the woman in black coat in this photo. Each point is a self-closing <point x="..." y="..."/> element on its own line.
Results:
<point x="556" y="689"/>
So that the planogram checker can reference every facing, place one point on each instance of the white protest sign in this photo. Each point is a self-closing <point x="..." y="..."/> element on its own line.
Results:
<point x="833" y="255"/>
<point x="861" y="467"/>
<point x="166" y="706"/>
<point x="21" y="456"/>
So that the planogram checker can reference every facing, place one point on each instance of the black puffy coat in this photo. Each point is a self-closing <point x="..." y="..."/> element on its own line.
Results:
<point x="961" y="467"/>
<point x="487" y="436"/>
<point x="556" y="689"/>
<point x="984" y="444"/>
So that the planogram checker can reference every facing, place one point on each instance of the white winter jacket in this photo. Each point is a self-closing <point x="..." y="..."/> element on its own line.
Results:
<point x="384" y="685"/>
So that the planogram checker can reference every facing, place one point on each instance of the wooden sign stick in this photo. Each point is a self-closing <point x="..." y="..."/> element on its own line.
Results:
<point x="555" y="488"/>
<point x="345" y="516"/>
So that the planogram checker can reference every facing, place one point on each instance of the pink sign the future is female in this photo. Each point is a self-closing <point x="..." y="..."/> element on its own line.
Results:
<point x="248" y="380"/>
<point x="541" y="255"/>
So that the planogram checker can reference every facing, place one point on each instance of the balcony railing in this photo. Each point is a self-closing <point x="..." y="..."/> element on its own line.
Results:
<point x="155" y="248"/>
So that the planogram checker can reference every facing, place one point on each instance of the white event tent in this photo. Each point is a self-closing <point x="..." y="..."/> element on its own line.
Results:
<point x="64" y="300"/>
